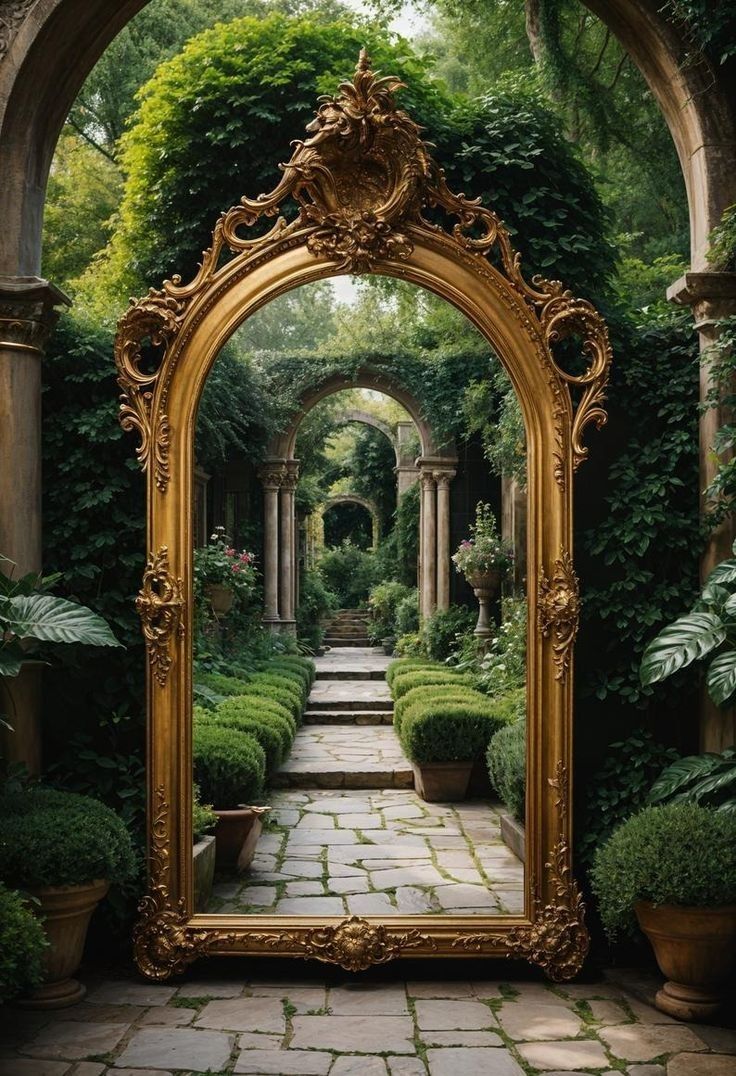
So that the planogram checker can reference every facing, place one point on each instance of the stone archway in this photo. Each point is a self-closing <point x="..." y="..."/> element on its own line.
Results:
<point x="336" y="499"/>
<point x="279" y="473"/>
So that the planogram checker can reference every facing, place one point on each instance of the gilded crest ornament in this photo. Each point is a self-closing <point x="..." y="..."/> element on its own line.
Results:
<point x="159" y="606"/>
<point x="354" y="944"/>
<point x="559" y="611"/>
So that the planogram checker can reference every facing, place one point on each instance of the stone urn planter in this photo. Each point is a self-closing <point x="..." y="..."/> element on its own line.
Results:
<point x="237" y="835"/>
<point x="696" y="951"/>
<point x="485" y="587"/>
<point x="389" y="645"/>
<point x="220" y="598"/>
<point x="442" y="782"/>
<point x="203" y="869"/>
<point x="66" y="911"/>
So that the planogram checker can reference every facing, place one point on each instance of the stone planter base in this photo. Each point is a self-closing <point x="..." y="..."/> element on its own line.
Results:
<point x="695" y="949"/>
<point x="66" y="911"/>
<point x="514" y="836"/>
<point x="203" y="868"/>
<point x="237" y="835"/>
<point x="221" y="598"/>
<point x="442" y="782"/>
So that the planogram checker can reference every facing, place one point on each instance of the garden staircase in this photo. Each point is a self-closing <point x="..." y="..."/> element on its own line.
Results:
<point x="348" y="627"/>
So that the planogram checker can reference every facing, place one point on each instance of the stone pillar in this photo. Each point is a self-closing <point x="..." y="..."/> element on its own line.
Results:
<point x="271" y="473"/>
<point x="513" y="525"/>
<point x="27" y="316"/>
<point x="428" y="545"/>
<point x="288" y="552"/>
<point x="443" y="478"/>
<point x="712" y="297"/>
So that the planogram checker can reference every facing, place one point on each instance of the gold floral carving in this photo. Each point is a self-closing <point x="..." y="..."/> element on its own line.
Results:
<point x="558" y="605"/>
<point x="160" y="604"/>
<point x="557" y="940"/>
<point x="354" y="944"/>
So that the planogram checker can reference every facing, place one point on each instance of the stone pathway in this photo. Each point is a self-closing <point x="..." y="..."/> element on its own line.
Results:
<point x="333" y="1025"/>
<point x="376" y="853"/>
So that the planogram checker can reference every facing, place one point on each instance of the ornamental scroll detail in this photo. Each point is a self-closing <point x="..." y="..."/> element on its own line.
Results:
<point x="160" y="604"/>
<point x="354" y="944"/>
<point x="558" y="605"/>
<point x="557" y="941"/>
<point x="362" y="180"/>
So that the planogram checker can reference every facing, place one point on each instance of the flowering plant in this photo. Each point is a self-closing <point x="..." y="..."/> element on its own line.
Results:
<point x="485" y="550"/>
<point x="221" y="564"/>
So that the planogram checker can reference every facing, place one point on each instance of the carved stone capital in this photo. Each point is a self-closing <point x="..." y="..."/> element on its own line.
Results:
<point x="711" y="296"/>
<point x="443" y="478"/>
<point x="27" y="312"/>
<point x="291" y="477"/>
<point x="272" y="474"/>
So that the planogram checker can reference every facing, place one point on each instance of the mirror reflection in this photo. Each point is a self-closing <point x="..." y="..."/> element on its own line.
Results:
<point x="359" y="705"/>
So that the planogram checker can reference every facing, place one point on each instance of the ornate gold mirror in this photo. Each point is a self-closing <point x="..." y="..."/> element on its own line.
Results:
<point x="362" y="195"/>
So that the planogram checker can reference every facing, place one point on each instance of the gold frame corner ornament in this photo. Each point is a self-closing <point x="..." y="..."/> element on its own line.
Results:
<point x="363" y="184"/>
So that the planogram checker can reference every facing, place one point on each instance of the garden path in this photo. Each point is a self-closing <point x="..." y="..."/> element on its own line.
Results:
<point x="349" y="836"/>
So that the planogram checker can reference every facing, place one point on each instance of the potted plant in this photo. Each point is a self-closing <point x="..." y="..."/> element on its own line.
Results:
<point x="229" y="767"/>
<point x="646" y="872"/>
<point x="223" y="573"/>
<point x="204" y="820"/>
<point x="484" y="559"/>
<point x="64" y="850"/>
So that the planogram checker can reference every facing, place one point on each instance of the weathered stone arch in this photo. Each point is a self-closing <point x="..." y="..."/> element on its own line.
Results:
<point x="367" y="419"/>
<point x="336" y="499"/>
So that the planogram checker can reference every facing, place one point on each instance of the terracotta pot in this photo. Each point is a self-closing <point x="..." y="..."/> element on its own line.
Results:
<point x="696" y="951"/>
<point x="66" y="911"/>
<point x="237" y="836"/>
<point x="442" y="782"/>
<point x="203" y="868"/>
<point x="220" y="597"/>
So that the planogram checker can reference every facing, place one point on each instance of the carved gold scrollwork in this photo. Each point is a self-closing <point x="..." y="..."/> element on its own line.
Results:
<point x="155" y="318"/>
<point x="354" y="944"/>
<point x="160" y="604"/>
<point x="558" y="605"/>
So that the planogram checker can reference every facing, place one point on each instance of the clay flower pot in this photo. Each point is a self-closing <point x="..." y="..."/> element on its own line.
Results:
<point x="66" y="911"/>
<point x="237" y="835"/>
<point x="696" y="951"/>
<point x="442" y="782"/>
<point x="485" y="587"/>
<point x="220" y="598"/>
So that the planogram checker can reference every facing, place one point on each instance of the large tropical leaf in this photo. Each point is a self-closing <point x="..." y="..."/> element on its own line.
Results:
<point x="720" y="780"/>
<point x="722" y="677"/>
<point x="11" y="661"/>
<point x="689" y="638"/>
<point x="725" y="572"/>
<point x="682" y="772"/>
<point x="55" y="620"/>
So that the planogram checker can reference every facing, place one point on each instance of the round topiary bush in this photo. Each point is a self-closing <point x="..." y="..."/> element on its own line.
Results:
<point x="266" y="735"/>
<point x="229" y="766"/>
<point x="251" y="707"/>
<point x="411" y="678"/>
<point x="506" y="758"/>
<point x="448" y="731"/>
<point x="49" y="837"/>
<point x="679" y="853"/>
<point x="220" y="684"/>
<point x="404" y="665"/>
<point x="22" y="945"/>
<point x="418" y="696"/>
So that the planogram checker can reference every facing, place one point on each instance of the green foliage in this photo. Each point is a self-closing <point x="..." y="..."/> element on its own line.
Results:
<point x="293" y="688"/>
<point x="720" y="362"/>
<point x="491" y="409"/>
<point x="229" y="766"/>
<point x="448" y="729"/>
<point x="441" y="629"/>
<point x="274" y="694"/>
<point x="231" y="712"/>
<point x="383" y="602"/>
<point x="349" y="572"/>
<point x="49" y="837"/>
<point x="236" y="412"/>
<point x="620" y="788"/>
<point x="651" y="857"/>
<point x="407" y="613"/>
<point x="22" y="946"/>
<point x="251" y="724"/>
<point x="722" y="245"/>
<point x="370" y="464"/>
<point x="406" y="680"/>
<point x="503" y="667"/>
<point x="407" y="536"/>
<point x="204" y="818"/>
<point x="221" y="684"/>
<point x="708" y="779"/>
<point x="506" y="758"/>
<point x="315" y="602"/>
<point x="409" y="645"/>
<point x="404" y="665"/>
<point x="429" y="693"/>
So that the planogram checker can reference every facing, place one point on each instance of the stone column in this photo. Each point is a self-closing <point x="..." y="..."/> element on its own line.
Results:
<point x="712" y="297"/>
<point x="428" y="545"/>
<point x="27" y="317"/>
<point x="443" y="478"/>
<point x="271" y="474"/>
<point x="513" y="525"/>
<point x="287" y="564"/>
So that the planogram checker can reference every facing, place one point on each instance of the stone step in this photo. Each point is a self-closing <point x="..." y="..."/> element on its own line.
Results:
<point x="360" y="643"/>
<point x="348" y="717"/>
<point x="350" y="673"/>
<point x="348" y="706"/>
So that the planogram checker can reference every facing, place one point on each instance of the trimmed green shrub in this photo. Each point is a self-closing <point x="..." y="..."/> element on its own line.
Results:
<point x="300" y="673"/>
<point x="220" y="684"/>
<point x="284" y="683"/>
<point x="383" y="602"/>
<point x="407" y="614"/>
<point x="404" y="664"/>
<point x="431" y="693"/>
<point x="448" y="731"/>
<point x="679" y="853"/>
<point x="49" y="837"/>
<point x="440" y="630"/>
<point x="22" y="945"/>
<point x="506" y="758"/>
<point x="229" y="766"/>
<point x="252" y="706"/>
<point x="405" y="681"/>
<point x="297" y="661"/>
<point x="204" y="818"/>
<point x="267" y="736"/>
<point x="270" y="692"/>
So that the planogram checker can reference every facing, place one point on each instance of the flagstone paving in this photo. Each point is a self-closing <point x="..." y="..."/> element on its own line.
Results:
<point x="334" y="1025"/>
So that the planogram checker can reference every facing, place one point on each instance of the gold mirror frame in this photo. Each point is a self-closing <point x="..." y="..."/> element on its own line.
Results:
<point x="361" y="182"/>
